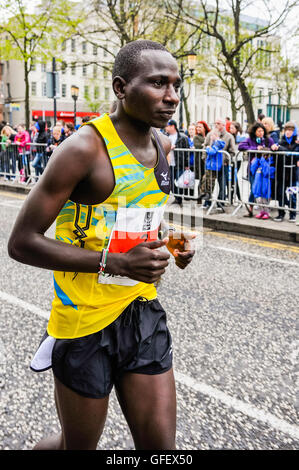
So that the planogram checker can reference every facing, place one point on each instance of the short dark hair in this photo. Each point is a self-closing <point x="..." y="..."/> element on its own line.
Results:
<point x="253" y="129"/>
<point x="126" y="61"/>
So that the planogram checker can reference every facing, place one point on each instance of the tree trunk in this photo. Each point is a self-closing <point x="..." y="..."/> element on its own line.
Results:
<point x="27" y="103"/>
<point x="246" y="98"/>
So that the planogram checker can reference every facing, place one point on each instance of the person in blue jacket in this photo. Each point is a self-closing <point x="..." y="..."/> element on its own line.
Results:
<point x="213" y="164"/>
<point x="263" y="170"/>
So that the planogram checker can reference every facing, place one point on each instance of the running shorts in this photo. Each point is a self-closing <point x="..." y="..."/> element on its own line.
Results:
<point x="137" y="341"/>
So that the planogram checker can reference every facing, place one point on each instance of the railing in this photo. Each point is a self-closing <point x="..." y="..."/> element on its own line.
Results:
<point x="251" y="178"/>
<point x="23" y="165"/>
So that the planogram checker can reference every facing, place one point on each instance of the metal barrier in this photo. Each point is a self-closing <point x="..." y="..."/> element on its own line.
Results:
<point x="266" y="179"/>
<point x="198" y="176"/>
<point x="24" y="165"/>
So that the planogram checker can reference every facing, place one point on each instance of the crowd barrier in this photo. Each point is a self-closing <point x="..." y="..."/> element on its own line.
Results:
<point x="258" y="178"/>
<point x="196" y="176"/>
<point x="23" y="165"/>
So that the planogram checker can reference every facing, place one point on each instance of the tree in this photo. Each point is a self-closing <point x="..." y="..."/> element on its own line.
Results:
<point x="32" y="37"/>
<point x="234" y="35"/>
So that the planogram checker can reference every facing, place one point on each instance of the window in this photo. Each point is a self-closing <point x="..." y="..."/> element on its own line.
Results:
<point x="73" y="46"/>
<point x="73" y="68"/>
<point x="95" y="71"/>
<point x="33" y="65"/>
<point x="260" y="95"/>
<point x="44" y="89"/>
<point x="96" y="92"/>
<point x="105" y="73"/>
<point x="63" y="68"/>
<point x="33" y="88"/>
<point x="95" y="50"/>
<point x="43" y="67"/>
<point x="84" y="70"/>
<point x="86" y="91"/>
<point x="84" y="47"/>
<point x="63" y="45"/>
<point x="63" y="90"/>
<point x="107" y="94"/>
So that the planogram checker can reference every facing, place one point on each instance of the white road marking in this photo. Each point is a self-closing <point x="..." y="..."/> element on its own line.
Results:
<point x="253" y="255"/>
<point x="238" y="405"/>
<point x="11" y="299"/>
<point x="229" y="401"/>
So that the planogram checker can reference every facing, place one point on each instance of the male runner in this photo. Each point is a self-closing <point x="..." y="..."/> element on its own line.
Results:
<point x="107" y="186"/>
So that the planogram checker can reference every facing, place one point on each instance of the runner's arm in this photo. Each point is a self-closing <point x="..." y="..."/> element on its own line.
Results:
<point x="69" y="164"/>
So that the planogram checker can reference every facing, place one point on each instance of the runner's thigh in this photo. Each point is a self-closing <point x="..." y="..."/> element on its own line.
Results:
<point x="149" y="406"/>
<point x="82" y="419"/>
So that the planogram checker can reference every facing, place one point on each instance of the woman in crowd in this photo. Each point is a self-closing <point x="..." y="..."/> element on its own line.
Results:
<point x="8" y="155"/>
<point x="22" y="141"/>
<point x="270" y="128"/>
<point x="201" y="130"/>
<point x="258" y="140"/>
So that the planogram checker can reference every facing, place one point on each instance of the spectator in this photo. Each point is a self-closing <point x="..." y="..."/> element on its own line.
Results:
<point x="227" y="124"/>
<point x="7" y="152"/>
<point x="22" y="139"/>
<point x="260" y="117"/>
<point x="229" y="147"/>
<point x="178" y="161"/>
<point x="54" y="140"/>
<point x="191" y="135"/>
<point x="236" y="130"/>
<point x="270" y="128"/>
<point x="257" y="140"/>
<point x="69" y="129"/>
<point x="213" y="164"/>
<point x="201" y="130"/>
<point x="287" y="169"/>
<point x="263" y="170"/>
<point x="85" y="119"/>
<point x="40" y="138"/>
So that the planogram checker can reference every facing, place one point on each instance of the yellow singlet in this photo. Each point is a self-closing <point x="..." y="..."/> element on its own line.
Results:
<point x="86" y="303"/>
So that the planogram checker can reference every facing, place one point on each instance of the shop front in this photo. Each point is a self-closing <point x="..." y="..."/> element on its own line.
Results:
<point x="66" y="116"/>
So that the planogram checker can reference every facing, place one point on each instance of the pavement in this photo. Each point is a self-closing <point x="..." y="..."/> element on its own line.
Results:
<point x="192" y="215"/>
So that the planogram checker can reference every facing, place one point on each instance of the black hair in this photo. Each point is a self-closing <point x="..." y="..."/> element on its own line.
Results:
<point x="126" y="61"/>
<point x="253" y="129"/>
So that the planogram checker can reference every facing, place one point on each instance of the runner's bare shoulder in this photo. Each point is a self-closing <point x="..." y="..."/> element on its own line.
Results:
<point x="165" y="141"/>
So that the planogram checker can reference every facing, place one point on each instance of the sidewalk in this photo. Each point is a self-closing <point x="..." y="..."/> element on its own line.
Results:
<point x="192" y="215"/>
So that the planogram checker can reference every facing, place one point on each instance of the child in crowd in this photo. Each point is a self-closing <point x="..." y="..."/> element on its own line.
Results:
<point x="213" y="165"/>
<point x="263" y="170"/>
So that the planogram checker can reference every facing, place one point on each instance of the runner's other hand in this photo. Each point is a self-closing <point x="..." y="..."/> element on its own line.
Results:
<point x="183" y="252"/>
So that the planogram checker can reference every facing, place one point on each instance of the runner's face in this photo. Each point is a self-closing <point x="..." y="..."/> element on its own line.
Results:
<point x="152" y="95"/>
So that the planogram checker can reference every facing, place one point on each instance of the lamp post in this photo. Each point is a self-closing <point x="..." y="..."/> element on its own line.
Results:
<point x="191" y="57"/>
<point x="75" y="94"/>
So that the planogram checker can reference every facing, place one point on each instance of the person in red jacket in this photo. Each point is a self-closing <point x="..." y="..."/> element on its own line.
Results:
<point x="22" y="139"/>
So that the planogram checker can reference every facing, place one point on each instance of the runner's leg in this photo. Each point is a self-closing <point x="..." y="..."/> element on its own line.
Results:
<point x="82" y="421"/>
<point x="149" y="406"/>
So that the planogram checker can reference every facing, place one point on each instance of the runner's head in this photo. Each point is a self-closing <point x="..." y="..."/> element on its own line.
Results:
<point x="146" y="82"/>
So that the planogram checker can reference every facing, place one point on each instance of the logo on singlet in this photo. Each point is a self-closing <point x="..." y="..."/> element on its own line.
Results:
<point x="147" y="223"/>
<point x="165" y="180"/>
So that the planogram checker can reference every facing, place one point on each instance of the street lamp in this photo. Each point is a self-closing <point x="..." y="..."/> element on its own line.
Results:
<point x="191" y="58"/>
<point x="75" y="94"/>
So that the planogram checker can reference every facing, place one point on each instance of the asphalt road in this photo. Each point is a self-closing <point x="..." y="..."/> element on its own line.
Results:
<point x="232" y="315"/>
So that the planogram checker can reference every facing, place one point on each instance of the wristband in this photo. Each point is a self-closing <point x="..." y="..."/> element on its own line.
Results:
<point x="103" y="261"/>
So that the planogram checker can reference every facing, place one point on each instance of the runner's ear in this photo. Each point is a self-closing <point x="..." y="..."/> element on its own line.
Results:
<point x="118" y="86"/>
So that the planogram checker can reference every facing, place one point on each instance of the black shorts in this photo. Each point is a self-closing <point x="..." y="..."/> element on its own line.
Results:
<point x="137" y="341"/>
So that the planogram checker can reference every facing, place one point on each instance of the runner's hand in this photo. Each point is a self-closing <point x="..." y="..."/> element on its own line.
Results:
<point x="145" y="262"/>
